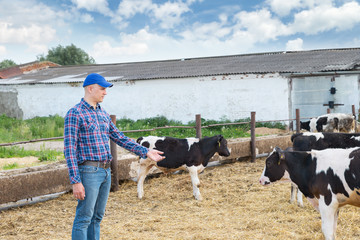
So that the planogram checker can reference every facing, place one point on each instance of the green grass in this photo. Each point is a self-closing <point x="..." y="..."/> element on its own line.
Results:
<point x="14" y="130"/>
<point x="10" y="166"/>
<point x="43" y="154"/>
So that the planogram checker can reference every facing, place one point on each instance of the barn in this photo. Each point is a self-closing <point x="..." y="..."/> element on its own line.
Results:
<point x="273" y="84"/>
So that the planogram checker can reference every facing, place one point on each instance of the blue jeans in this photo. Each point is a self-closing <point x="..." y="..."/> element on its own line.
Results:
<point x="90" y="211"/>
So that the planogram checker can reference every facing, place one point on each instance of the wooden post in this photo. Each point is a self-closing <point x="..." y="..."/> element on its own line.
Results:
<point x="297" y="120"/>
<point x="252" y="142"/>
<point x="114" y="162"/>
<point x="355" y="117"/>
<point x="198" y="125"/>
<point x="353" y="110"/>
<point x="328" y="111"/>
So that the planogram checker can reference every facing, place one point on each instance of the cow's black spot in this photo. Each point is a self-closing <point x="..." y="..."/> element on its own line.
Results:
<point x="146" y="144"/>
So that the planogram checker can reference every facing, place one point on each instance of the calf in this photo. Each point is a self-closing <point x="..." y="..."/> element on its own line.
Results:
<point x="329" y="178"/>
<point x="191" y="154"/>
<point x="332" y="122"/>
<point x="319" y="141"/>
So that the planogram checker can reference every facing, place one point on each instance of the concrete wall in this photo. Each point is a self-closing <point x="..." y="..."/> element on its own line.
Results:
<point x="9" y="104"/>
<point x="214" y="97"/>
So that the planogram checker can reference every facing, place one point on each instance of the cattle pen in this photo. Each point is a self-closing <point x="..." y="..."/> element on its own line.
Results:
<point x="234" y="206"/>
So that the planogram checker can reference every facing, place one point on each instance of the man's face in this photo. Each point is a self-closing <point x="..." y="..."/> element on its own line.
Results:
<point x="97" y="93"/>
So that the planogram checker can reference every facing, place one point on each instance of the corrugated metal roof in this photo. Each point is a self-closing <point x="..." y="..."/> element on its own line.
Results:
<point x="275" y="62"/>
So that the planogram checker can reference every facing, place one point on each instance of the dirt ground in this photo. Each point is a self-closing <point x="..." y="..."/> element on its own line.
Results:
<point x="235" y="206"/>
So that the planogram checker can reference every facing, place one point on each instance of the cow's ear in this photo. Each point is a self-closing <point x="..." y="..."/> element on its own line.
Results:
<point x="220" y="138"/>
<point x="280" y="153"/>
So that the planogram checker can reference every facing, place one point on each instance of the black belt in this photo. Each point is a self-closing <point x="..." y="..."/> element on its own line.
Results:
<point x="96" y="164"/>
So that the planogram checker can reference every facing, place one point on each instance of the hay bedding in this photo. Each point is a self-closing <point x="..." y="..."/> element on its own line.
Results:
<point x="235" y="206"/>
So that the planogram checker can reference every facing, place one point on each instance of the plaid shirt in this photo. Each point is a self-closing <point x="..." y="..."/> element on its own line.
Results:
<point x="87" y="132"/>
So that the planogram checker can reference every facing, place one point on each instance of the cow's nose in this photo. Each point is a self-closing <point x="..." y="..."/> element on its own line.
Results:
<point x="264" y="181"/>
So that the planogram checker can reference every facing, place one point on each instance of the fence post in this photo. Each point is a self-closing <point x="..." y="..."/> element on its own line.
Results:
<point x="252" y="142"/>
<point x="198" y="125"/>
<point x="353" y="110"/>
<point x="297" y="120"/>
<point x="114" y="162"/>
<point x="354" y="114"/>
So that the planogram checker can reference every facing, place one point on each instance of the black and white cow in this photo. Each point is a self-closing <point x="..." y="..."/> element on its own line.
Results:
<point x="332" y="122"/>
<point x="191" y="154"/>
<point x="329" y="178"/>
<point x="307" y="141"/>
<point x="318" y="141"/>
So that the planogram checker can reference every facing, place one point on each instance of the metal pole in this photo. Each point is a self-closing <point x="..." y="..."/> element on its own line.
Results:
<point x="297" y="120"/>
<point x="252" y="142"/>
<point x="198" y="125"/>
<point x="114" y="162"/>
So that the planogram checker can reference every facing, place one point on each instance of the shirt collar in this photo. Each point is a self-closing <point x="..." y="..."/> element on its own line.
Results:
<point x="87" y="105"/>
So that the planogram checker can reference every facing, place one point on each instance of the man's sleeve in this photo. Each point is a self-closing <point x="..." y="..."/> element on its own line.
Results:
<point x="71" y="131"/>
<point x="129" y="144"/>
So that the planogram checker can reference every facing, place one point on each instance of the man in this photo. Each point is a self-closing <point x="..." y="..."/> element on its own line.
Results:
<point x="87" y="131"/>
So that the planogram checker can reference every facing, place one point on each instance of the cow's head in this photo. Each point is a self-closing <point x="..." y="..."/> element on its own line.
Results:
<point x="305" y="125"/>
<point x="222" y="148"/>
<point x="274" y="167"/>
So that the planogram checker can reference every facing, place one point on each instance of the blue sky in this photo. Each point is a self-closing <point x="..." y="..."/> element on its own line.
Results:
<point x="145" y="30"/>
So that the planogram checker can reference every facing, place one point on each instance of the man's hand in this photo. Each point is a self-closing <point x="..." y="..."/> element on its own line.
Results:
<point x="155" y="155"/>
<point x="78" y="191"/>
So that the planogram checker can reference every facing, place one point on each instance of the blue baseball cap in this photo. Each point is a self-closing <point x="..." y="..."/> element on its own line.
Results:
<point x="94" y="78"/>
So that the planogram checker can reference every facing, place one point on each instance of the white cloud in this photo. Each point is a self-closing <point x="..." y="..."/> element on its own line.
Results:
<point x="283" y="8"/>
<point x="130" y="45"/>
<point x="2" y="50"/>
<point x="169" y="13"/>
<point x="261" y="25"/>
<point x="128" y="8"/>
<point x="294" y="45"/>
<point x="147" y="46"/>
<point x="320" y="19"/>
<point x="26" y="12"/>
<point x="100" y="6"/>
<point x="213" y="30"/>
<point x="33" y="35"/>
<point x="189" y="2"/>
<point x="86" y="18"/>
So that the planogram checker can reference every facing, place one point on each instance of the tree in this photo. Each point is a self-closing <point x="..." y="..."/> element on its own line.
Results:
<point x="7" y="63"/>
<point x="69" y="55"/>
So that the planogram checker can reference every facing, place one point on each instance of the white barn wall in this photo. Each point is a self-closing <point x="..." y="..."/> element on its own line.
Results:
<point x="47" y="99"/>
<point x="231" y="97"/>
